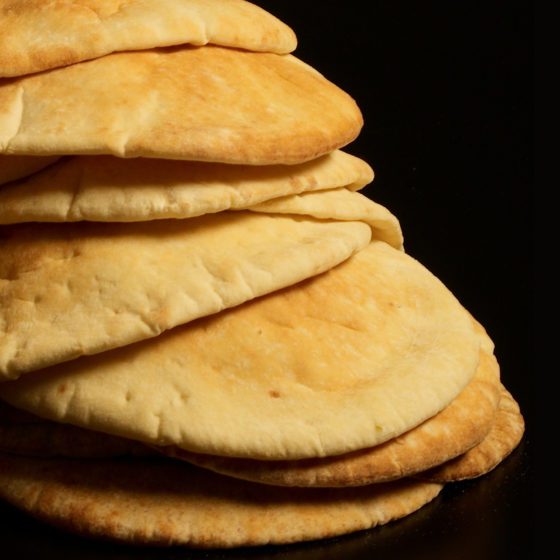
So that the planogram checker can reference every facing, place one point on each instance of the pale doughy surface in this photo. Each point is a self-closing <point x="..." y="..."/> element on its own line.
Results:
<point x="348" y="360"/>
<point x="37" y="35"/>
<point x="169" y="503"/>
<point x="455" y="430"/>
<point x="109" y="189"/>
<point x="68" y="290"/>
<point x="203" y="104"/>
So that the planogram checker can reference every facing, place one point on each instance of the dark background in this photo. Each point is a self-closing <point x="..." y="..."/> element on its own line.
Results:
<point x="446" y="93"/>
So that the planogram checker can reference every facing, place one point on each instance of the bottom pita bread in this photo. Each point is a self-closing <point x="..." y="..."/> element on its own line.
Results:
<point x="161" y="502"/>
<point x="503" y="438"/>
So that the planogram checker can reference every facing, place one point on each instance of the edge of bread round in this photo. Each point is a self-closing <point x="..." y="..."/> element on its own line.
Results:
<point x="37" y="35"/>
<point x="167" y="503"/>
<point x="504" y="436"/>
<point x="203" y="104"/>
<point x="109" y="189"/>
<point x="452" y="432"/>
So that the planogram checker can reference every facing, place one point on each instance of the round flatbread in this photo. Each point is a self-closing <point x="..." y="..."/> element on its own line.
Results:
<point x="168" y="503"/>
<point x="503" y="438"/>
<point x="348" y="360"/>
<point x="458" y="428"/>
<point x="36" y="35"/>
<point x="109" y="189"/>
<point x="202" y="104"/>
<point x="68" y="290"/>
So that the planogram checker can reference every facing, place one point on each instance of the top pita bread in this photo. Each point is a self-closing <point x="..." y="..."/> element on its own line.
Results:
<point x="37" y="35"/>
<point x="204" y="104"/>
<point x="109" y="189"/>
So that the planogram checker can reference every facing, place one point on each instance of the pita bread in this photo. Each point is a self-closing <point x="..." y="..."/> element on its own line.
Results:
<point x="109" y="189"/>
<point x="168" y="503"/>
<point x="36" y="35"/>
<point x="504" y="437"/>
<point x="16" y="167"/>
<point x="348" y="360"/>
<point x="458" y="428"/>
<point x="76" y="289"/>
<point x="338" y="204"/>
<point x="203" y="104"/>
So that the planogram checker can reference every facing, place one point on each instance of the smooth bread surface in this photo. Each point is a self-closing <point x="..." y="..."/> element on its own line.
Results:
<point x="109" y="189"/>
<point x="78" y="289"/>
<point x="455" y="430"/>
<point x="36" y="35"/>
<point x="193" y="103"/>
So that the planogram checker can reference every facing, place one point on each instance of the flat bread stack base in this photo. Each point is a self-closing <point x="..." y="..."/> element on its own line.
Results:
<point x="159" y="502"/>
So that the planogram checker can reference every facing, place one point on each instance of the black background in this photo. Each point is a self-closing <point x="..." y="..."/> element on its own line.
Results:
<point x="446" y="94"/>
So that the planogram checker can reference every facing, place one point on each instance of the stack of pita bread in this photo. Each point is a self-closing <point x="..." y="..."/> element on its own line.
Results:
<point x="207" y="336"/>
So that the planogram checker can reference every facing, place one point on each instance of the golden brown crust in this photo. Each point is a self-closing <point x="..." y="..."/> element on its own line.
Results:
<point x="168" y="503"/>
<point x="503" y="438"/>
<point x="36" y="35"/>
<point x="203" y="104"/>
<point x="459" y="427"/>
